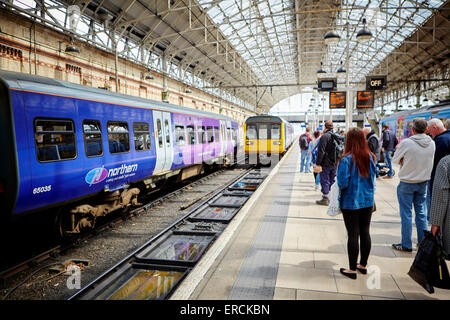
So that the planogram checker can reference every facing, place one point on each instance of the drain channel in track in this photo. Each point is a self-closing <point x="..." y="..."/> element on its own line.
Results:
<point x="155" y="269"/>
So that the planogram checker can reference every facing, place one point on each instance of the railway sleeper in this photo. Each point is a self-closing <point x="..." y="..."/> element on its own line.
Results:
<point x="84" y="216"/>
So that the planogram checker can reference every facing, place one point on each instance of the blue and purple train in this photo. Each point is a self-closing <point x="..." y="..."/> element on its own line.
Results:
<point x="88" y="152"/>
<point x="401" y="122"/>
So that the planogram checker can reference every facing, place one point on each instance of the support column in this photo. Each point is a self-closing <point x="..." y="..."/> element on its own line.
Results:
<point x="116" y="62"/>
<point x="165" y="92"/>
<point x="348" y="104"/>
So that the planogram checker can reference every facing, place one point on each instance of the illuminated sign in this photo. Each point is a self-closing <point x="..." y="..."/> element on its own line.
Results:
<point x="337" y="100"/>
<point x="376" y="82"/>
<point x="365" y="99"/>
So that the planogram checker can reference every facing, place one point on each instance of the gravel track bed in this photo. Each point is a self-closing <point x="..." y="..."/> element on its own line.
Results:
<point x="110" y="246"/>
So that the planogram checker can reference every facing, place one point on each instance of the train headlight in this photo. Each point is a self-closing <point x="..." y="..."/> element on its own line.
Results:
<point x="249" y="142"/>
<point x="277" y="143"/>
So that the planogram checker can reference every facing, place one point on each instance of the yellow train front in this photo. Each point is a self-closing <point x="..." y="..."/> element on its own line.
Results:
<point x="266" y="137"/>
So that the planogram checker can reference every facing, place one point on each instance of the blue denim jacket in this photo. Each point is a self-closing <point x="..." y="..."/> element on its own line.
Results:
<point x="356" y="192"/>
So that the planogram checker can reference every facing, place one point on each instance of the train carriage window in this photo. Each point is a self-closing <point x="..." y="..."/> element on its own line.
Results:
<point x="276" y="132"/>
<point x="160" y="137"/>
<point x="118" y="137"/>
<point x="235" y="135"/>
<point x="223" y="131"/>
<point x="167" y="128"/>
<point x="201" y="135"/>
<point x="251" y="132"/>
<point x="191" y="134"/>
<point x="262" y="131"/>
<point x="55" y="139"/>
<point x="216" y="134"/>
<point x="180" y="135"/>
<point x="210" y="134"/>
<point x="92" y="138"/>
<point x="141" y="136"/>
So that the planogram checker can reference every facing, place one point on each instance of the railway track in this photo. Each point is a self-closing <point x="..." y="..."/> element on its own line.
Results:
<point x="57" y="250"/>
<point x="155" y="269"/>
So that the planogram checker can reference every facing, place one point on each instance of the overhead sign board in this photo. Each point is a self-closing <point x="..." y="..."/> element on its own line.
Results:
<point x="327" y="84"/>
<point x="365" y="99"/>
<point x="376" y="82"/>
<point x="337" y="100"/>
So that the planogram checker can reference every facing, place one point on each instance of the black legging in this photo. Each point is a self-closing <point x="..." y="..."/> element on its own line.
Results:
<point x="357" y="223"/>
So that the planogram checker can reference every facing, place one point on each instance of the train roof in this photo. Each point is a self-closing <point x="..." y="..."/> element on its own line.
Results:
<point x="265" y="118"/>
<point x="441" y="105"/>
<point x="22" y="81"/>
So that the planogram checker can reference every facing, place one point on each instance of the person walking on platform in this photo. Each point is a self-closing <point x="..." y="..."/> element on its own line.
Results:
<point x="374" y="145"/>
<point x="328" y="154"/>
<point x="440" y="204"/>
<point x="415" y="156"/>
<point x="388" y="145"/>
<point x="356" y="181"/>
<point x="441" y="137"/>
<point x="314" y="159"/>
<point x="305" y="159"/>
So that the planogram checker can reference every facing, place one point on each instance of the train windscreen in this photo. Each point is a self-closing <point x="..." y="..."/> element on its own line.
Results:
<point x="263" y="131"/>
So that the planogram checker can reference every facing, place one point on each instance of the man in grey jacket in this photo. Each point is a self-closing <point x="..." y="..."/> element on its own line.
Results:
<point x="415" y="156"/>
<point x="440" y="203"/>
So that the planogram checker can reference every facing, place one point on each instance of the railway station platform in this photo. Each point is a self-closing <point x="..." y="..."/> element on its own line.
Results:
<point x="281" y="245"/>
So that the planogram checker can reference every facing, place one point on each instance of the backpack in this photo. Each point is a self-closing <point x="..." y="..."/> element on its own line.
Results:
<point x="304" y="142"/>
<point x="395" y="140"/>
<point x="314" y="154"/>
<point x="339" y="145"/>
<point x="377" y="150"/>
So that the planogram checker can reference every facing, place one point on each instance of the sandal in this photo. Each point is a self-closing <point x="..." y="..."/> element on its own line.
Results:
<point x="348" y="274"/>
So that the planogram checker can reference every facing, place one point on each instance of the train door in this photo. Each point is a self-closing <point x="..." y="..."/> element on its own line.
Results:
<point x="163" y="138"/>
<point x="223" y="136"/>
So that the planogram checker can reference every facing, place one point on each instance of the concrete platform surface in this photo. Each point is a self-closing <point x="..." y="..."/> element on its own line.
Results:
<point x="284" y="246"/>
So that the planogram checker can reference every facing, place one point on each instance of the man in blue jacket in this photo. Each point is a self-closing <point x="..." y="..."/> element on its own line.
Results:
<point x="388" y="146"/>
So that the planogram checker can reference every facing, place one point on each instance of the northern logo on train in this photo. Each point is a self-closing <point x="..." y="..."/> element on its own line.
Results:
<point x="96" y="175"/>
<point x="99" y="174"/>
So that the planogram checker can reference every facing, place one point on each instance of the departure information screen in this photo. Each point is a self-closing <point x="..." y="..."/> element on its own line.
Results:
<point x="365" y="99"/>
<point x="337" y="100"/>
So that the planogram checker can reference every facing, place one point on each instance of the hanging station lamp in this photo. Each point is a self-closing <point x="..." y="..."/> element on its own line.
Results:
<point x="331" y="37"/>
<point x="341" y="69"/>
<point x="364" y="34"/>
<point x="321" y="69"/>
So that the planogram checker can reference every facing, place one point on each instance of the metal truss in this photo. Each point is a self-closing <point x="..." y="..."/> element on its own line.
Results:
<point x="221" y="45"/>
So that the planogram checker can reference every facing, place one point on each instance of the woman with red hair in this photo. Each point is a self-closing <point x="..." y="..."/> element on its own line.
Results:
<point x="356" y="181"/>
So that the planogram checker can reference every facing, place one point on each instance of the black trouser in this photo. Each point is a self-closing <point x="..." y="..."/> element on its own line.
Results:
<point x="357" y="223"/>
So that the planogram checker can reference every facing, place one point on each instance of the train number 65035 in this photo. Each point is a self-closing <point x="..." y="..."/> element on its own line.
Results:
<point x="42" y="189"/>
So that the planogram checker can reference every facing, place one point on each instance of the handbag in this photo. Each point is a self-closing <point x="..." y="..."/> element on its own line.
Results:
<point x="334" y="207"/>
<point x="429" y="268"/>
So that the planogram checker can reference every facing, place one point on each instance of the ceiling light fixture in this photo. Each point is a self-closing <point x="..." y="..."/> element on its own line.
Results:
<point x="341" y="69"/>
<point x="331" y="37"/>
<point x="321" y="70"/>
<point x="364" y="34"/>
